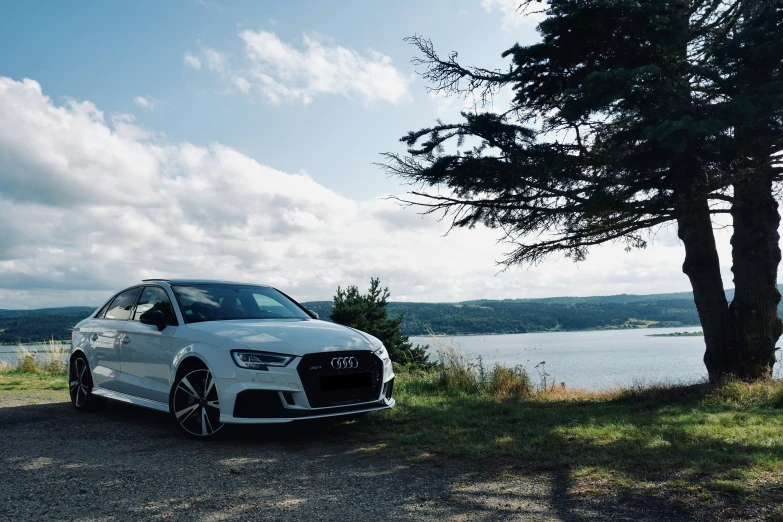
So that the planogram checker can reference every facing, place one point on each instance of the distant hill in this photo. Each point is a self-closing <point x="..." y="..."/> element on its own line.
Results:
<point x="36" y="326"/>
<point x="484" y="316"/>
<point x="480" y="316"/>
<point x="522" y="316"/>
<point x="65" y="309"/>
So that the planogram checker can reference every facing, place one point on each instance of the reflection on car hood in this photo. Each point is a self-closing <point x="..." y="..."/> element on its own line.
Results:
<point x="290" y="336"/>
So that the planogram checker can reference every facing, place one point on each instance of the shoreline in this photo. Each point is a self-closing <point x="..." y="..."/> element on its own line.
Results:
<point x="556" y="331"/>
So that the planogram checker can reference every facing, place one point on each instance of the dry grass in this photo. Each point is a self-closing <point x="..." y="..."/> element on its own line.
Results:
<point x="49" y="360"/>
<point x="561" y="393"/>
<point x="456" y="372"/>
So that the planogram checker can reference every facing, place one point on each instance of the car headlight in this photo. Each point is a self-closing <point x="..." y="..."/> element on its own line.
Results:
<point x="382" y="353"/>
<point x="260" y="360"/>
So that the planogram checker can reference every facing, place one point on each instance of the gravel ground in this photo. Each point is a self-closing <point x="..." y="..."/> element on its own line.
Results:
<point x="126" y="463"/>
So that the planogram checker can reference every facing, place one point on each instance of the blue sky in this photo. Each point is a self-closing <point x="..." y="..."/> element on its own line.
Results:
<point x="112" y="52"/>
<point x="236" y="140"/>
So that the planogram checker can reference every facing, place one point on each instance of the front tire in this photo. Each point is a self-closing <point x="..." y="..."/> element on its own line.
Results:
<point x="80" y="384"/>
<point x="195" y="405"/>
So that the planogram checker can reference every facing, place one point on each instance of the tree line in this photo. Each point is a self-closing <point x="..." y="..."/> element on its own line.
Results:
<point x="525" y="316"/>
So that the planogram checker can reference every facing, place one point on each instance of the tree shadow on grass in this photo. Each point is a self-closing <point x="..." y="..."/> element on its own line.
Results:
<point x="660" y="450"/>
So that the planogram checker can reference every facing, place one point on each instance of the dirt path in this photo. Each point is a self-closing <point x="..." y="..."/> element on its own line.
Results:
<point x="127" y="463"/>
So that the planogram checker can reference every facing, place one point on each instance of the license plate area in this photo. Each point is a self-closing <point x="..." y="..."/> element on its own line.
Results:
<point x="350" y="381"/>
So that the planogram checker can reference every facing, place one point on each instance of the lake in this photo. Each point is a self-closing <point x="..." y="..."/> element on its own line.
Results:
<point x="596" y="360"/>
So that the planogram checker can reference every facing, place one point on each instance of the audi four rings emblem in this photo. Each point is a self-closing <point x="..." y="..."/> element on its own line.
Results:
<point x="343" y="363"/>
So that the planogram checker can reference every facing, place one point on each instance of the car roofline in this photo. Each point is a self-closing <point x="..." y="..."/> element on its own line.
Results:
<point x="200" y="282"/>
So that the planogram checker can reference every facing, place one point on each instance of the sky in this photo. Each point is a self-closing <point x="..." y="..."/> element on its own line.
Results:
<point x="238" y="140"/>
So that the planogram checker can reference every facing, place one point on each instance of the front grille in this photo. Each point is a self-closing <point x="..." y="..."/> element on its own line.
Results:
<point x="326" y="386"/>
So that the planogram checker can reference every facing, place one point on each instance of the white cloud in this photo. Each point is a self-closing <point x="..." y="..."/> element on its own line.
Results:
<point x="192" y="61"/>
<point x="144" y="103"/>
<point x="282" y="72"/>
<point x="90" y="204"/>
<point x="514" y="13"/>
<point x="215" y="60"/>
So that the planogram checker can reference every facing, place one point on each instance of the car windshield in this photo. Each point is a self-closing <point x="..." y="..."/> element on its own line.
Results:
<point x="223" y="302"/>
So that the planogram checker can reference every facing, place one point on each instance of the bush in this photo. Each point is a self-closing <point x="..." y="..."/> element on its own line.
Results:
<point x="509" y="382"/>
<point x="28" y="363"/>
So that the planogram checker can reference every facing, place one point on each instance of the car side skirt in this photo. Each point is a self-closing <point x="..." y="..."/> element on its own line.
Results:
<point x="138" y="401"/>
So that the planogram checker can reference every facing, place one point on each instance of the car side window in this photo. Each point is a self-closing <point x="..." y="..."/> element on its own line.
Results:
<point x="99" y="314"/>
<point x="120" y="308"/>
<point x="155" y="298"/>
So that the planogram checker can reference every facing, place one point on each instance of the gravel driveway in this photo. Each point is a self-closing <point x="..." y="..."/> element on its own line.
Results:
<point x="127" y="463"/>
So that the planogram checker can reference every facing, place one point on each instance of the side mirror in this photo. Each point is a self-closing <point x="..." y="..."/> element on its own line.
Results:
<point x="154" y="317"/>
<point x="314" y="315"/>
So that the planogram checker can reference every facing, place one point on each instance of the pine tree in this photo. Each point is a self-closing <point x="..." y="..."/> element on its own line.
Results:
<point x="627" y="116"/>
<point x="368" y="313"/>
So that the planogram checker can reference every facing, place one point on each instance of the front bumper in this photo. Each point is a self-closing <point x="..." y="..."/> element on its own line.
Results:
<point x="318" y="413"/>
<point x="279" y="396"/>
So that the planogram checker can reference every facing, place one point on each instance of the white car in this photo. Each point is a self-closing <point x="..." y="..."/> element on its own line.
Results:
<point x="213" y="353"/>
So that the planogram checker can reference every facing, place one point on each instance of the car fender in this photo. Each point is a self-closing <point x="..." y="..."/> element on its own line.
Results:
<point x="216" y="359"/>
<point x="74" y="351"/>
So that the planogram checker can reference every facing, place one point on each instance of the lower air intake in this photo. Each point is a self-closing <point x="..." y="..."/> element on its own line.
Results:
<point x="258" y="404"/>
<point x="389" y="387"/>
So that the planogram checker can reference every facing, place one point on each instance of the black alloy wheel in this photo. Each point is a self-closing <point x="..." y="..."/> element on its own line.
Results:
<point x="195" y="405"/>
<point x="80" y="384"/>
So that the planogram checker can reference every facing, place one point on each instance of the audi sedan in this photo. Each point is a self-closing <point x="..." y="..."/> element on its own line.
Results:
<point x="214" y="353"/>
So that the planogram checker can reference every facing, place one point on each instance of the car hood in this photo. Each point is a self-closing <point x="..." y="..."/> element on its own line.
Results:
<point x="289" y="336"/>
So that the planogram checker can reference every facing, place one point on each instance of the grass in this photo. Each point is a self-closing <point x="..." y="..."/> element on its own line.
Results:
<point x="23" y="381"/>
<point x="700" y="441"/>
<point x="697" y="439"/>
<point x="41" y="369"/>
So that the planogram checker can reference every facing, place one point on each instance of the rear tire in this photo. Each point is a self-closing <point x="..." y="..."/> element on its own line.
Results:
<point x="194" y="403"/>
<point x="80" y="384"/>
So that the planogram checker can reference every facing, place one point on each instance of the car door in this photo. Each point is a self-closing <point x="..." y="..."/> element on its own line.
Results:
<point x="104" y="333"/>
<point x="145" y="353"/>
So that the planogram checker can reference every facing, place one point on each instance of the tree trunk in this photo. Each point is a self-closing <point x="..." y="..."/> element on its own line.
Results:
<point x="702" y="266"/>
<point x="756" y="256"/>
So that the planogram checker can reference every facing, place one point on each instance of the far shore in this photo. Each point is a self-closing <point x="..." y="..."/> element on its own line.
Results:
<point x="607" y="329"/>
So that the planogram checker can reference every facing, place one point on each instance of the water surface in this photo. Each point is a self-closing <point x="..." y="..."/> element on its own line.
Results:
<point x="595" y="360"/>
